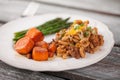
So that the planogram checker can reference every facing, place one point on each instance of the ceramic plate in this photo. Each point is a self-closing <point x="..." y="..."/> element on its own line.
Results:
<point x="11" y="57"/>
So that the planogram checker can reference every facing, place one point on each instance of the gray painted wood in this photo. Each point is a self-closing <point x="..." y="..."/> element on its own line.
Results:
<point x="106" y="69"/>
<point x="11" y="9"/>
<point x="105" y="6"/>
<point x="10" y="73"/>
<point x="1" y="24"/>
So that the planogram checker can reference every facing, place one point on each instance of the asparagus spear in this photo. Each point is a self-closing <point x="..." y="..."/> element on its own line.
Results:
<point x="58" y="24"/>
<point x="56" y="29"/>
<point x="49" y="27"/>
<point x="49" y="23"/>
<point x="17" y="34"/>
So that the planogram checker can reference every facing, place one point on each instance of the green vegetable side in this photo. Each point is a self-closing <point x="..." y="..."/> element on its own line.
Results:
<point x="48" y="27"/>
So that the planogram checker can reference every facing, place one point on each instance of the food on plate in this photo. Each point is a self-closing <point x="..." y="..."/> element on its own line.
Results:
<point x="33" y="46"/>
<point x="50" y="54"/>
<point x="48" y="27"/>
<point x="75" y="41"/>
<point x="29" y="56"/>
<point x="24" y="45"/>
<point x="40" y="54"/>
<point x="52" y="49"/>
<point x="42" y="44"/>
<point x="78" y="39"/>
<point x="35" y="34"/>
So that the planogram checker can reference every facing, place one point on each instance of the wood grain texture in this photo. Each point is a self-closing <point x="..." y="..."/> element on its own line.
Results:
<point x="101" y="6"/>
<point x="11" y="9"/>
<point x="1" y="24"/>
<point x="10" y="73"/>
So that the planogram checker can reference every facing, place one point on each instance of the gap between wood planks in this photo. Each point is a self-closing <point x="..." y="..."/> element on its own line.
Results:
<point x="76" y="8"/>
<point x="69" y="76"/>
<point x="2" y="22"/>
<point x="117" y="45"/>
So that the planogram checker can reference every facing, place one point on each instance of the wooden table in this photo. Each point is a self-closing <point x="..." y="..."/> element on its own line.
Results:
<point x="107" y="11"/>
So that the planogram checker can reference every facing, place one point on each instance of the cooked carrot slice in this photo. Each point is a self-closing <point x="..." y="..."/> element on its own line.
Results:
<point x="24" y="45"/>
<point x="42" y="44"/>
<point x="40" y="54"/>
<point x="52" y="47"/>
<point x="35" y="34"/>
<point x="50" y="54"/>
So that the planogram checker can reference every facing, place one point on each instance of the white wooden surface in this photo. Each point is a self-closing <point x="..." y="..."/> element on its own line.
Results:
<point x="107" y="6"/>
<point x="11" y="9"/>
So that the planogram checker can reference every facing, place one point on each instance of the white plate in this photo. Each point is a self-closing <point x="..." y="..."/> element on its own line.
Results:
<point x="11" y="57"/>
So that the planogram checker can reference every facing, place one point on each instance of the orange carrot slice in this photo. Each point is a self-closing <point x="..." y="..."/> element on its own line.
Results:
<point x="50" y="54"/>
<point x="42" y="44"/>
<point x="40" y="54"/>
<point x="52" y="47"/>
<point x="35" y="34"/>
<point x="24" y="45"/>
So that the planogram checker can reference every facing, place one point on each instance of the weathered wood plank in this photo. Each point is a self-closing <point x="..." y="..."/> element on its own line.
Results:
<point x="10" y="10"/>
<point x="10" y="73"/>
<point x="70" y="75"/>
<point x="100" y="6"/>
<point x="106" y="69"/>
<point x="1" y="24"/>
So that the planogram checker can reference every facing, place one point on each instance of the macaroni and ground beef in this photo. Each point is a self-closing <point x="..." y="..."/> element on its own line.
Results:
<point x="78" y="39"/>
